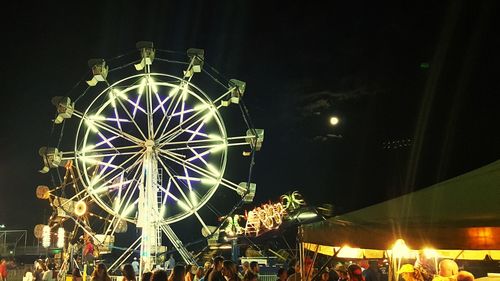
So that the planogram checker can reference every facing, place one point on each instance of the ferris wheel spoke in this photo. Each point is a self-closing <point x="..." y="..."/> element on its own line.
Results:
<point x="161" y="103"/>
<point x="149" y="105"/>
<point x="169" y="115"/>
<point x="119" y="203"/>
<point x="132" y="119"/>
<point x="176" y="184"/>
<point x="225" y="94"/>
<point x="123" y="170"/>
<point x="209" y="176"/>
<point x="93" y="149"/>
<point x="202" y="222"/>
<point x="166" y="114"/>
<point x="181" y="162"/>
<point x="178" y="129"/>
<point x="95" y="124"/>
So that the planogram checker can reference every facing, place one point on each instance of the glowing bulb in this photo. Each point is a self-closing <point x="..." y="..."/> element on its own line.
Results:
<point x="208" y="181"/>
<point x="80" y="208"/>
<point x="213" y="169"/>
<point x="400" y="249"/>
<point x="153" y="85"/>
<point x="430" y="253"/>
<point x="60" y="237"/>
<point x="174" y="91"/>
<point x="334" y="120"/>
<point x="112" y="98"/>
<point x="142" y="86"/>
<point x="46" y="236"/>
<point x="183" y="205"/>
<point x="218" y="148"/>
<point x="128" y="210"/>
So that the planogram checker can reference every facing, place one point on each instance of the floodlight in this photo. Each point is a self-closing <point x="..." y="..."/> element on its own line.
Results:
<point x="99" y="71"/>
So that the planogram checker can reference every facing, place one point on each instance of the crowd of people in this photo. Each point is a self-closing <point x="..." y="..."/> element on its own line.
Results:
<point x="220" y="269"/>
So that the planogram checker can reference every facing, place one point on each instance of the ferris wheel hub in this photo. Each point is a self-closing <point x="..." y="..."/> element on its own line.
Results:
<point x="149" y="144"/>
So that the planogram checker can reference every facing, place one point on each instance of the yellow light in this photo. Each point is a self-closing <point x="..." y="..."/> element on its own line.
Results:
<point x="218" y="148"/>
<point x="88" y="148"/>
<point x="400" y="250"/>
<point x="208" y="181"/>
<point x="193" y="198"/>
<point x="348" y="252"/>
<point x="80" y="208"/>
<point x="112" y="99"/>
<point x="184" y="92"/>
<point x="60" y="237"/>
<point x="334" y="120"/>
<point x="183" y="205"/>
<point x="200" y="106"/>
<point x="213" y="169"/>
<point x="91" y="125"/>
<point x="142" y="86"/>
<point x="128" y="210"/>
<point x="208" y="116"/>
<point x="153" y="85"/>
<point x="46" y="236"/>
<point x="430" y="253"/>
<point x="214" y="137"/>
<point x="163" y="211"/>
<point x="174" y="91"/>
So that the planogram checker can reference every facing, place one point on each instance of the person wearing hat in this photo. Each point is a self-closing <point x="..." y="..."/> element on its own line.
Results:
<point x="342" y="272"/>
<point x="409" y="273"/>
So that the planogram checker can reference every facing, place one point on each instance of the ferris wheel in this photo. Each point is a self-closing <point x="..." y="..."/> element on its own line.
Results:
<point x="152" y="148"/>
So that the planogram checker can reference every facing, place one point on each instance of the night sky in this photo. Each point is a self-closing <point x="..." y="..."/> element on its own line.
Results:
<point x="424" y="74"/>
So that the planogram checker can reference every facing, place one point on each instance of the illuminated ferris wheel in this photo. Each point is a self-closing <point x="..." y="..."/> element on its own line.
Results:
<point x="152" y="148"/>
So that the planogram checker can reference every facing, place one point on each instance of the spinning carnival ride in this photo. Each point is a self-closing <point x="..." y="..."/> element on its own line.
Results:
<point x="149" y="149"/>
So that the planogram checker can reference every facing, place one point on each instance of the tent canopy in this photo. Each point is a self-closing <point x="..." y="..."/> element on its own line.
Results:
<point x="462" y="213"/>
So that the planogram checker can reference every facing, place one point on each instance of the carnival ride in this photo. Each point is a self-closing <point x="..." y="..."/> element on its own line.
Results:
<point x="148" y="149"/>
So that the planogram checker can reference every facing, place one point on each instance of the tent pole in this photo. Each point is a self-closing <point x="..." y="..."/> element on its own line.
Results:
<point x="335" y="253"/>
<point x="314" y="260"/>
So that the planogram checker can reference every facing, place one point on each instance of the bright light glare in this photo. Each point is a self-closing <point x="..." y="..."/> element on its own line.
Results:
<point x="183" y="205"/>
<point x="193" y="198"/>
<point x="60" y="237"/>
<point x="46" y="236"/>
<point x="348" y="252"/>
<point x="112" y="99"/>
<point x="174" y="91"/>
<point x="334" y="120"/>
<point x="163" y="211"/>
<point x="142" y="86"/>
<point x="218" y="148"/>
<point x="88" y="148"/>
<point x="128" y="210"/>
<point x="213" y="169"/>
<point x="430" y="253"/>
<point x="80" y="208"/>
<point x="400" y="250"/>
<point x="153" y="85"/>
<point x="208" y="181"/>
<point x="307" y="215"/>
